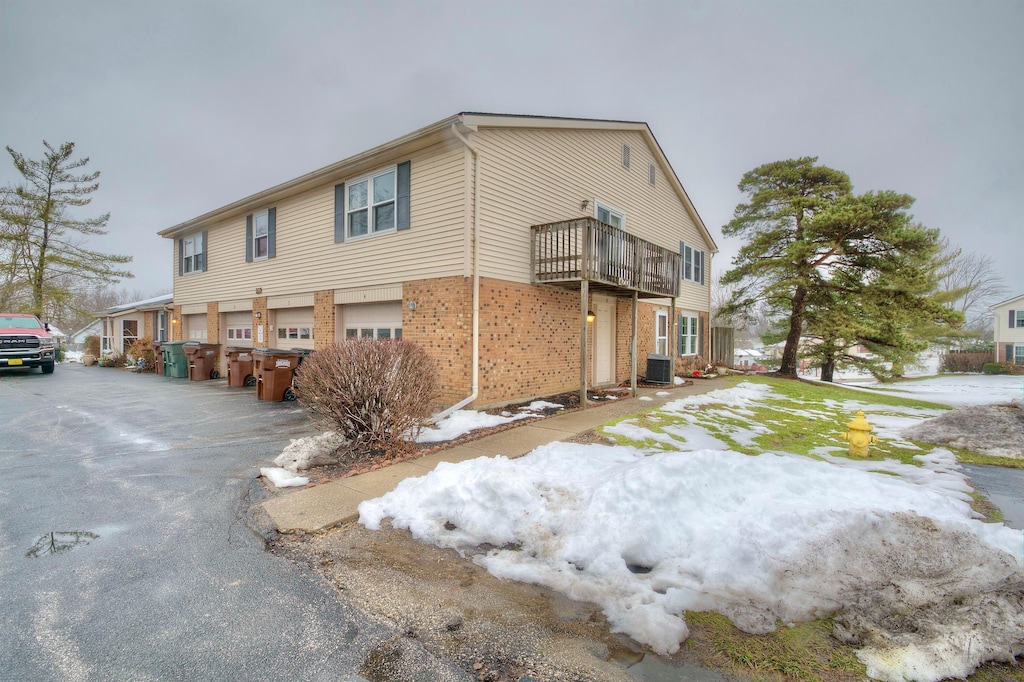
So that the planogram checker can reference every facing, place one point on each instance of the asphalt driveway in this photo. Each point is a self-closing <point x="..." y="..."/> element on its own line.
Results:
<point x="151" y="571"/>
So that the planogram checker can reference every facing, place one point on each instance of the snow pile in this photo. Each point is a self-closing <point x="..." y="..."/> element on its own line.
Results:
<point x="996" y="430"/>
<point x="893" y="551"/>
<point x="314" y="451"/>
<point x="754" y="538"/>
<point x="282" y="478"/>
<point x="538" y="405"/>
<point x="463" y="421"/>
<point x="958" y="390"/>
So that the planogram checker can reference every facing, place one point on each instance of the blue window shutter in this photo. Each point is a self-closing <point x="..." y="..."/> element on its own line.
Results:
<point x="181" y="259"/>
<point x="680" y="320"/>
<point x="271" y="232"/>
<point x="248" y="238"/>
<point x="1009" y="352"/>
<point x="682" y="258"/>
<point x="203" y="269"/>
<point x="339" y="213"/>
<point x="1013" y="317"/>
<point x="402" y="210"/>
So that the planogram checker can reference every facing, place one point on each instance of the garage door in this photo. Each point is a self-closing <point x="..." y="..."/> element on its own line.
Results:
<point x="195" y="327"/>
<point x="372" y="320"/>
<point x="238" y="328"/>
<point x="293" y="328"/>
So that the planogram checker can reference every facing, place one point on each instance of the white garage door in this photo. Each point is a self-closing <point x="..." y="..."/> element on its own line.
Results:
<point x="293" y="328"/>
<point x="372" y="320"/>
<point x="195" y="327"/>
<point x="238" y="328"/>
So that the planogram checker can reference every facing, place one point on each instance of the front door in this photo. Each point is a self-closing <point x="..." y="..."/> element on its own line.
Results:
<point x="604" y="340"/>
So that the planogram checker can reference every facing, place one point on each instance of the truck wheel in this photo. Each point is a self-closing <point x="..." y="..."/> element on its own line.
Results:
<point x="47" y="367"/>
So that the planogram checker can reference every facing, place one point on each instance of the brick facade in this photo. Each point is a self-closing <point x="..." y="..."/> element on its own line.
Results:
<point x="259" y="307"/>
<point x="442" y="323"/>
<point x="323" y="318"/>
<point x="213" y="333"/>
<point x="177" y="333"/>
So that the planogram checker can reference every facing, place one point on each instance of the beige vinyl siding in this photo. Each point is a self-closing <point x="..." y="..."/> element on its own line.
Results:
<point x="308" y="259"/>
<point x="533" y="177"/>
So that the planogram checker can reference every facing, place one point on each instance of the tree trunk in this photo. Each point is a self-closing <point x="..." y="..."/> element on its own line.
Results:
<point x="796" y="327"/>
<point x="828" y="369"/>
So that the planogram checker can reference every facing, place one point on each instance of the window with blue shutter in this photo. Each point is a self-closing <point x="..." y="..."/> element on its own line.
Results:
<point x="192" y="253"/>
<point x="691" y="264"/>
<point x="1013" y="318"/>
<point x="374" y="204"/>
<point x="261" y="235"/>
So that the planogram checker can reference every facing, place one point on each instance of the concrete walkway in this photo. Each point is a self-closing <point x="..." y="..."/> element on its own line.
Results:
<point x="322" y="506"/>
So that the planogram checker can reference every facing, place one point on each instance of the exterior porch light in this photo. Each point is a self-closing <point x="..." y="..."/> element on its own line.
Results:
<point x="590" y="316"/>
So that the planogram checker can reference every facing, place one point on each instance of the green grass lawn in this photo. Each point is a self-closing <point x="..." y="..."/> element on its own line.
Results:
<point x="800" y="418"/>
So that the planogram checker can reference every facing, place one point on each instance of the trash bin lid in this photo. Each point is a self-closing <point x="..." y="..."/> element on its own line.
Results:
<point x="273" y="351"/>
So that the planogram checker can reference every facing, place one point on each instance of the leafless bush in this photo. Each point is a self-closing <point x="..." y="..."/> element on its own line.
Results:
<point x="374" y="392"/>
<point x="142" y="349"/>
<point x="114" y="359"/>
<point x="965" y="362"/>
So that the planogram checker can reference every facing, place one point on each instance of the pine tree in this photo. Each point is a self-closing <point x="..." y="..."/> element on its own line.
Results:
<point x="42" y="236"/>
<point x="841" y="270"/>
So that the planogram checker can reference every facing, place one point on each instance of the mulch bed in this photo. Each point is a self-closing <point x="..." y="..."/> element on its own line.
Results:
<point x="570" y="402"/>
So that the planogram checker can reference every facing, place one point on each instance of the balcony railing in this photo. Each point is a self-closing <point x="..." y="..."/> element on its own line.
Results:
<point x="587" y="249"/>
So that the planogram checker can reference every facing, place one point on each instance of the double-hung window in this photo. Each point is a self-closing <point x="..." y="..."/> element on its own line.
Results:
<point x="371" y="204"/>
<point x="1020" y="319"/>
<point x="1018" y="354"/>
<point x="193" y="253"/>
<point x="692" y="264"/>
<point x="688" y="339"/>
<point x="260" y="234"/>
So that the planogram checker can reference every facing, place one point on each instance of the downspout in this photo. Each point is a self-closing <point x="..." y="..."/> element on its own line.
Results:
<point x="476" y="279"/>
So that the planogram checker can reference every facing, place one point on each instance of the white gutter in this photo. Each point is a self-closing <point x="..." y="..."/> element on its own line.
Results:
<point x="476" y="279"/>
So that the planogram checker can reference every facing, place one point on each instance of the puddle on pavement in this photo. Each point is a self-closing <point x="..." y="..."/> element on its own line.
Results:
<point x="58" y="541"/>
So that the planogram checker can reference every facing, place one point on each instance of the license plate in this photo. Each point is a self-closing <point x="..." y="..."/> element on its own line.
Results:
<point x="14" y="361"/>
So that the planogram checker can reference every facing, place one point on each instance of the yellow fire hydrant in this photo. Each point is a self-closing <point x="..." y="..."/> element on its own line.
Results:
<point x="859" y="435"/>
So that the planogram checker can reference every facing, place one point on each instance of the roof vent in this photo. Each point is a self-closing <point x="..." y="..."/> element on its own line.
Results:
<point x="625" y="155"/>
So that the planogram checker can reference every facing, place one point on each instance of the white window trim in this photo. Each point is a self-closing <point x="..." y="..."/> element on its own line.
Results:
<point x="692" y="344"/>
<point x="236" y="332"/>
<point x="598" y="205"/>
<point x="660" y="340"/>
<point x="693" y="271"/>
<point x="188" y="263"/>
<point x="1018" y="319"/>
<point x="256" y="236"/>
<point x="302" y="333"/>
<point x="368" y="179"/>
<point x="1018" y="354"/>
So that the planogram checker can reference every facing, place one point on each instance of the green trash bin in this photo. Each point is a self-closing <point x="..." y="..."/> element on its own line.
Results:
<point x="175" y="362"/>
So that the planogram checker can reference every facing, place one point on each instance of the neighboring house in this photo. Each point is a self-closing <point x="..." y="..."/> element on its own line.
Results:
<point x="1008" y="331"/>
<point x="77" y="340"/>
<point x="512" y="248"/>
<point x="750" y="358"/>
<point x="122" y="325"/>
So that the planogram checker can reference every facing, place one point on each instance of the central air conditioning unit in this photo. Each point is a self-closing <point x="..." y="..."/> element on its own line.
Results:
<point x="659" y="369"/>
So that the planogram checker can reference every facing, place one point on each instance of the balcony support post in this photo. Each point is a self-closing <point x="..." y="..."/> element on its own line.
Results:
<point x="632" y="345"/>
<point x="673" y="339"/>
<point x="584" y="299"/>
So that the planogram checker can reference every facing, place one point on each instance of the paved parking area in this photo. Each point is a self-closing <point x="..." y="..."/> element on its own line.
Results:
<point x="151" y="572"/>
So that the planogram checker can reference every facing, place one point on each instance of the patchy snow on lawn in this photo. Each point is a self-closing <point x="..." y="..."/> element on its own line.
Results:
<point x="959" y="390"/>
<point x="893" y="551"/>
<point x="463" y="421"/>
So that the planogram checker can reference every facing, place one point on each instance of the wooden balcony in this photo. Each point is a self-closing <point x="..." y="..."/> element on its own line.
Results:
<point x="608" y="258"/>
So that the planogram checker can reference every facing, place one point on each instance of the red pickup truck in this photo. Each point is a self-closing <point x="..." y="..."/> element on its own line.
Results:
<point x="25" y="341"/>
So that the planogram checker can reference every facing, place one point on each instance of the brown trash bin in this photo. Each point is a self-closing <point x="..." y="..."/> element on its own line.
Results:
<point x="240" y="366"/>
<point x="274" y="370"/>
<point x="202" y="359"/>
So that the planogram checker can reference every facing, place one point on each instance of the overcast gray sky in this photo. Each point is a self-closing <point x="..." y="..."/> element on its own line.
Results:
<point x="187" y="106"/>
